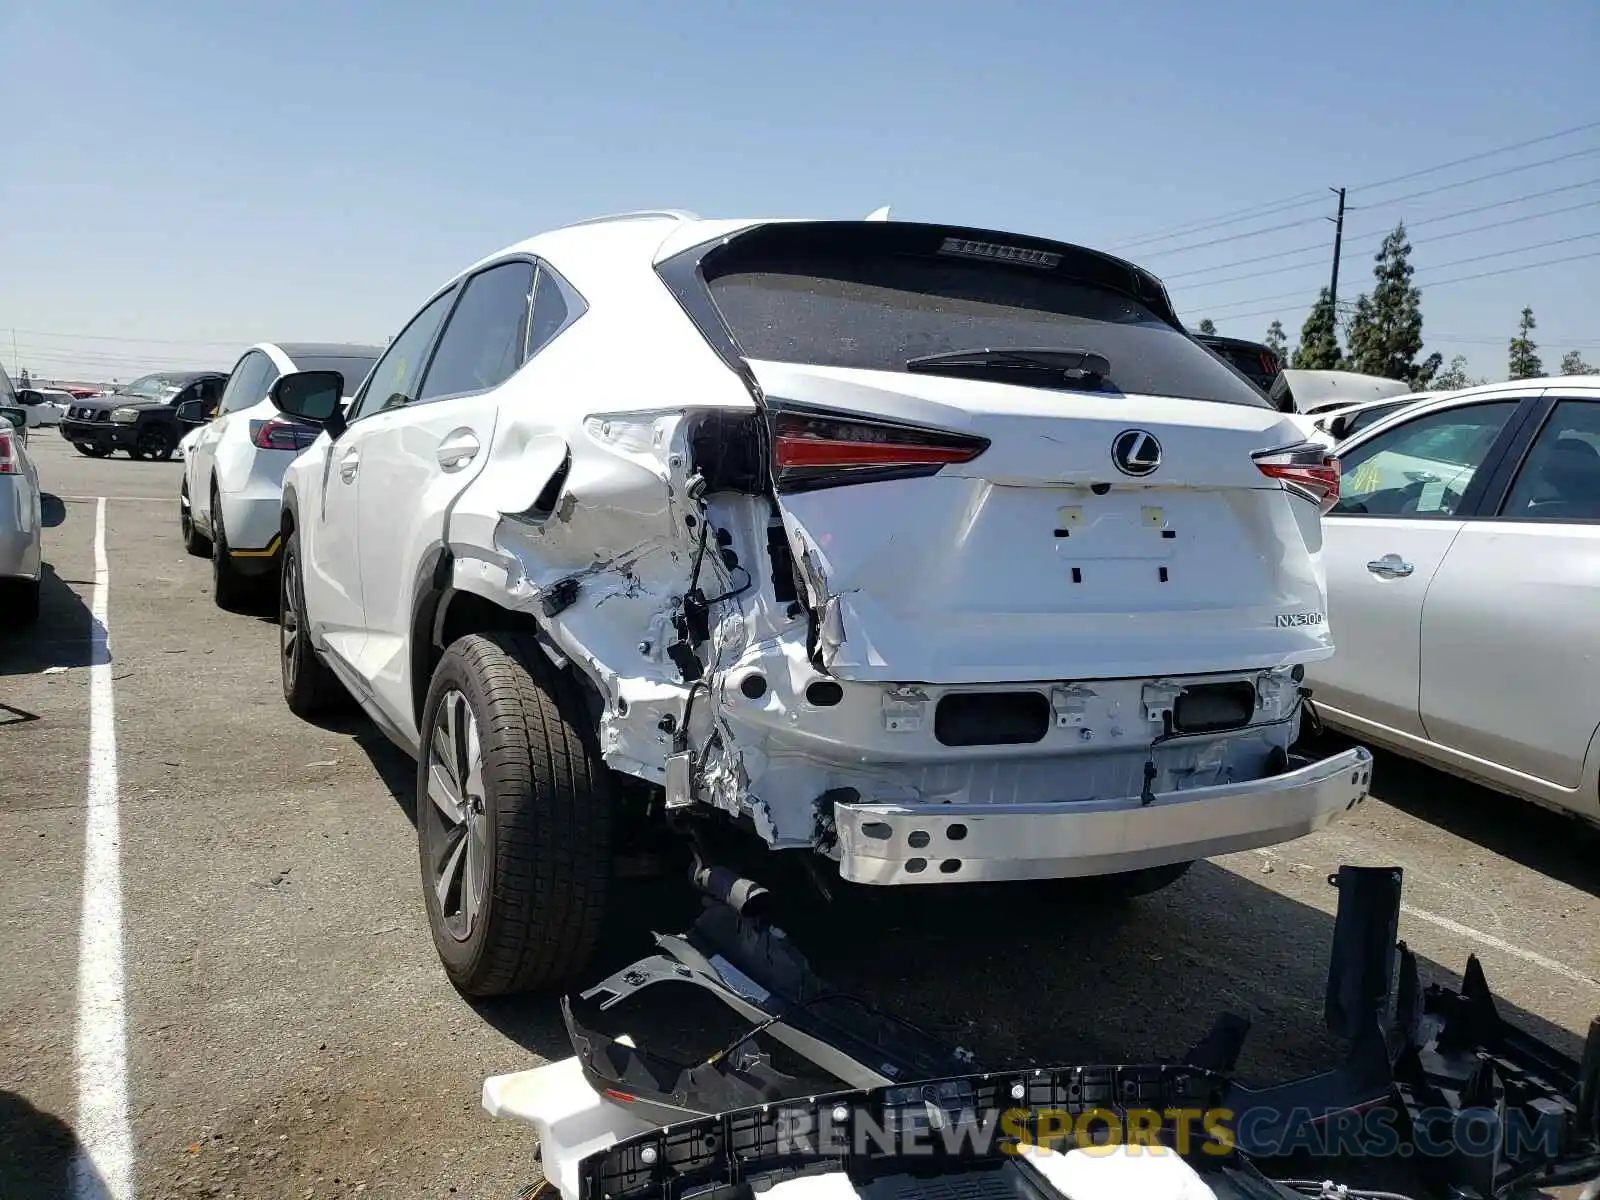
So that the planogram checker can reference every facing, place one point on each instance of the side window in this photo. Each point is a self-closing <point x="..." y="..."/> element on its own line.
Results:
<point x="482" y="344"/>
<point x="551" y="312"/>
<point x="1370" y="417"/>
<point x="1423" y="467"/>
<point x="393" y="381"/>
<point x="245" y="384"/>
<point x="268" y="378"/>
<point x="1560" y="478"/>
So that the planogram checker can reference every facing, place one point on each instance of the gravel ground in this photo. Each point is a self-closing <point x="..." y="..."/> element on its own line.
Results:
<point x="290" y="1034"/>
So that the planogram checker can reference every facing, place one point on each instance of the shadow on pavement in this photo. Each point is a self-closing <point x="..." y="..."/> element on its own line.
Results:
<point x="60" y="637"/>
<point x="1037" y="972"/>
<point x="36" y="1152"/>
<point x="1551" y="843"/>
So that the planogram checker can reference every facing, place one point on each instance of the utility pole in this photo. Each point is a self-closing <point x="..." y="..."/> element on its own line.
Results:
<point x="1338" y="243"/>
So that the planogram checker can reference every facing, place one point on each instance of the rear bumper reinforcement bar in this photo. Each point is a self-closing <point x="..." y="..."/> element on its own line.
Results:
<point x="954" y="843"/>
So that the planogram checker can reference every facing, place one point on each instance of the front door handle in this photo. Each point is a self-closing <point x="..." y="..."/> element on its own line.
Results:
<point x="458" y="448"/>
<point x="1390" y="566"/>
<point x="349" y="464"/>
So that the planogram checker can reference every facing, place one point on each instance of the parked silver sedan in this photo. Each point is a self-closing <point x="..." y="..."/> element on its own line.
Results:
<point x="1463" y="568"/>
<point x="21" y="560"/>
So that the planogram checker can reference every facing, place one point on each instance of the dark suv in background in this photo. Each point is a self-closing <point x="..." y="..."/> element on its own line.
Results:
<point x="1257" y="362"/>
<point x="141" y="417"/>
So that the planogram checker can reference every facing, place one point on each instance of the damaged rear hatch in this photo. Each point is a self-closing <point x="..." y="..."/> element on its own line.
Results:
<point x="999" y="458"/>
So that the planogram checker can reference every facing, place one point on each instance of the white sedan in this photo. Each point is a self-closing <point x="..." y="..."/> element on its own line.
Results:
<point x="1463" y="568"/>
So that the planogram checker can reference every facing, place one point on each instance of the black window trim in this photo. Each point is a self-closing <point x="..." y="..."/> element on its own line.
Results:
<point x="1472" y="506"/>
<point x="577" y="306"/>
<point x="684" y="276"/>
<point x="1505" y="476"/>
<point x="444" y="328"/>
<point x="253" y="350"/>
<point x="452" y="289"/>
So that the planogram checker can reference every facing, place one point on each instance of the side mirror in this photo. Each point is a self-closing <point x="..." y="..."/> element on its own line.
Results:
<point x="192" y="412"/>
<point x="312" y="396"/>
<point x="1337" y="427"/>
<point x="18" y="417"/>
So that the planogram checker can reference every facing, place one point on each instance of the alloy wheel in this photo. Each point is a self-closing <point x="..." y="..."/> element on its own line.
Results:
<point x="152" y="443"/>
<point x="457" y="827"/>
<point x="289" y="617"/>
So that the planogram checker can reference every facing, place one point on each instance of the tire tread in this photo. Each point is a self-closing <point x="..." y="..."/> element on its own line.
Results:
<point x="552" y="872"/>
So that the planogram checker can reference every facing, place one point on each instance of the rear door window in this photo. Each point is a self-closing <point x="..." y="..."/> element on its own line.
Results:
<point x="484" y="340"/>
<point x="876" y="310"/>
<point x="1560" y="478"/>
<point x="247" y="384"/>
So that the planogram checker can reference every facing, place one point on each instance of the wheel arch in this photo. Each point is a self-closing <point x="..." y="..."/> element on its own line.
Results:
<point x="446" y="607"/>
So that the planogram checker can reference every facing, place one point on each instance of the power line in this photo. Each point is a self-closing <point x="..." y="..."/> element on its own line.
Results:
<point x="1369" y="237"/>
<point x="1421" y="283"/>
<point x="1285" y="205"/>
<point x="108" y="337"/>
<point x="1549" y="137"/>
<point x="1272" y="207"/>
<point x="1436" y="283"/>
<point x="1445" y="187"/>
<point x="1464" y="212"/>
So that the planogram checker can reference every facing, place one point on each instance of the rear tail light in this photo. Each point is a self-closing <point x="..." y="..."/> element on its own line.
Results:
<point x="278" y="434"/>
<point x="8" y="454"/>
<point x="1307" y="470"/>
<point x="812" y="450"/>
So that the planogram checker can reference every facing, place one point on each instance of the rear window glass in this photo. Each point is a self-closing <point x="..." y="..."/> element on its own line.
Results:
<point x="877" y="312"/>
<point x="353" y="369"/>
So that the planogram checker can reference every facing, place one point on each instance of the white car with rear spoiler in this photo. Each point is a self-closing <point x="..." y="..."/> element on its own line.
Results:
<point x="933" y="554"/>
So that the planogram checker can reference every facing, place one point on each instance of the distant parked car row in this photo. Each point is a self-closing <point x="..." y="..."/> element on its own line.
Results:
<point x="142" y="418"/>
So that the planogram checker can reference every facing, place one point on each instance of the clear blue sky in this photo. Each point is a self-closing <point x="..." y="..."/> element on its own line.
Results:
<point x="194" y="176"/>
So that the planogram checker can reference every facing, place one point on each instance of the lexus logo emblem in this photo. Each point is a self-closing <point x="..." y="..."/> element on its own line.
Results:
<point x="1136" y="452"/>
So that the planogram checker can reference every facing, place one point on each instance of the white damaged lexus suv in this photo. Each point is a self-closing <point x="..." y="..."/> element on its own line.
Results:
<point x="942" y="554"/>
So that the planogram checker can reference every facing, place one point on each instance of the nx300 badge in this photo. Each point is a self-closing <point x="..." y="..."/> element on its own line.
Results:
<point x="1136" y="452"/>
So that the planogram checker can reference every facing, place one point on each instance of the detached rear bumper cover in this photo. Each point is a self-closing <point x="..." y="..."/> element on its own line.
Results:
<point x="653" y="1120"/>
<point x="945" y="843"/>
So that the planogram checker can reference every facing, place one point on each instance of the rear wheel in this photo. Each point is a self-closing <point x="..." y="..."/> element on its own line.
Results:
<point x="154" y="442"/>
<point x="93" y="451"/>
<point x="195" y="542"/>
<point x="19" y="601"/>
<point x="231" y="590"/>
<point x="309" y="687"/>
<point x="514" y="819"/>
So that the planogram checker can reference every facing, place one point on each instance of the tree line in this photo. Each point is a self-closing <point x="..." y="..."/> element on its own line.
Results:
<point x="1384" y="333"/>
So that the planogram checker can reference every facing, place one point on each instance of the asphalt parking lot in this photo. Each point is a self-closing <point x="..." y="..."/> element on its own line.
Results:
<point x="288" y="1030"/>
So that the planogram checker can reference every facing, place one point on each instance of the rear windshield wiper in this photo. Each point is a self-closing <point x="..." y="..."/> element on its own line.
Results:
<point x="1069" y="367"/>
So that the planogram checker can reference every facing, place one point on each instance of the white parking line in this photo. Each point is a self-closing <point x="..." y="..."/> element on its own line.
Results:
<point x="1505" y="947"/>
<point x="103" y="1166"/>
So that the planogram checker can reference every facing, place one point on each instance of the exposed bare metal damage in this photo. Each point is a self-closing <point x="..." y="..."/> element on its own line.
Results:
<point x="714" y="680"/>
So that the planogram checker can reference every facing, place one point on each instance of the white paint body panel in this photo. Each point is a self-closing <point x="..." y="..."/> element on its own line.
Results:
<point x="1485" y="661"/>
<point x="961" y="578"/>
<point x="222" y="453"/>
<point x="950" y="582"/>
